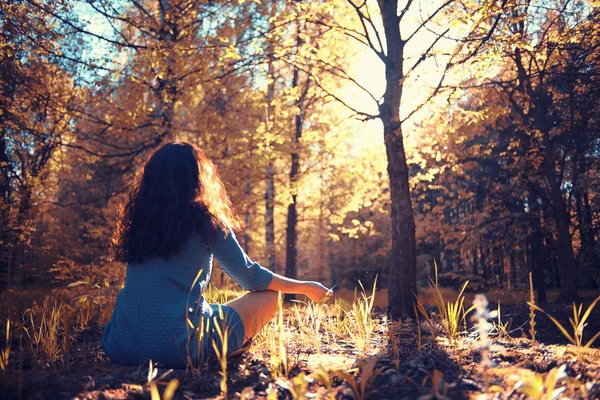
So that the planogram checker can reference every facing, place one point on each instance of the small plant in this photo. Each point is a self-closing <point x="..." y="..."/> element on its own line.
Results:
<point x="418" y="323"/>
<point x="360" y="325"/>
<point x="84" y="312"/>
<point x="338" y="323"/>
<point x="152" y="380"/>
<point x="420" y="307"/>
<point x="535" y="386"/>
<point x="577" y="322"/>
<point x="324" y="377"/>
<point x="532" y="307"/>
<point x="5" y="353"/>
<point x="501" y="328"/>
<point x="393" y="327"/>
<point x="298" y="386"/>
<point x="221" y="353"/>
<point x="439" y="386"/>
<point x="481" y="317"/>
<point x="451" y="314"/>
<point x="359" y="385"/>
<point x="43" y="331"/>
<point x="310" y="324"/>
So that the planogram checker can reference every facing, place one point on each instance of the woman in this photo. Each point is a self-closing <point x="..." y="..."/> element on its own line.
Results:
<point x="176" y="217"/>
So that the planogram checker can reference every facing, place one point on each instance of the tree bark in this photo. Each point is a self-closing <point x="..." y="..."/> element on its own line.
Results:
<point x="403" y="282"/>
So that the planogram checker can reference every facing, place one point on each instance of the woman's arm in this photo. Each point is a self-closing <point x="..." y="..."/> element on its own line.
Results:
<point x="252" y="276"/>
<point x="248" y="274"/>
<point x="313" y="290"/>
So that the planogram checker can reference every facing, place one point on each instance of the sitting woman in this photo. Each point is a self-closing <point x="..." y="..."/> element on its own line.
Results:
<point x="175" y="218"/>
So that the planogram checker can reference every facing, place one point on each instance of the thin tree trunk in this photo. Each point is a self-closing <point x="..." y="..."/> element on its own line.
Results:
<point x="270" y="171"/>
<point x="587" y="256"/>
<point x="403" y="277"/>
<point x="166" y="89"/>
<point x="291" y="267"/>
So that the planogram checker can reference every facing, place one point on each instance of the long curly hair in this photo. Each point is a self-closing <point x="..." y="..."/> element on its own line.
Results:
<point x="178" y="192"/>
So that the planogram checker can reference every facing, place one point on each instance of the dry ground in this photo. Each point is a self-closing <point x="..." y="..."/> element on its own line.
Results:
<point x="331" y="364"/>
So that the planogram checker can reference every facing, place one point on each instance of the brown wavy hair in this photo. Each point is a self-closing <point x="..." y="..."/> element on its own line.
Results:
<point x="178" y="192"/>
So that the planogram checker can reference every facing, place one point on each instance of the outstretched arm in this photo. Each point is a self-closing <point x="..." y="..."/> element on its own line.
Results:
<point x="313" y="290"/>
<point x="252" y="276"/>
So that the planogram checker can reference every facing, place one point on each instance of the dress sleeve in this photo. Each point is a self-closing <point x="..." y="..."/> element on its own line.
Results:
<point x="250" y="275"/>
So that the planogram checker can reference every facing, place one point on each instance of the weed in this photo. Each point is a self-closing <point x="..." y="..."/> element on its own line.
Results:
<point x="359" y="385"/>
<point x="5" y="353"/>
<point x="278" y="353"/>
<point x="531" y="309"/>
<point x="195" y="332"/>
<point x="360" y="325"/>
<point x="451" y="314"/>
<point x="297" y="386"/>
<point x="338" y="323"/>
<point x="393" y="328"/>
<point x="537" y="387"/>
<point x="430" y="323"/>
<point x="152" y="383"/>
<point x="577" y="322"/>
<point x="324" y="377"/>
<point x="44" y="324"/>
<point x="481" y="317"/>
<point x="439" y="386"/>
<point x="310" y="324"/>
<point x="223" y="332"/>
<point x="84" y="312"/>
<point x="418" y="323"/>
<point x="501" y="328"/>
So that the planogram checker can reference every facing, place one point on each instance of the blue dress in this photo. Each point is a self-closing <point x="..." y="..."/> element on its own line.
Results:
<point x="160" y="310"/>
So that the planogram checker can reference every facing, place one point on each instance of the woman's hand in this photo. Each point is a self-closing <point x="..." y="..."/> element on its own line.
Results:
<point x="317" y="292"/>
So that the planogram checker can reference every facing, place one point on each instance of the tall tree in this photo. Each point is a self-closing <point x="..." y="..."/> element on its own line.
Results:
<point x="390" y="48"/>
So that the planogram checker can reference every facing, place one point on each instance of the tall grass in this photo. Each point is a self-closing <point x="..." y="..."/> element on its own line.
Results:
<point x="451" y="313"/>
<point x="310" y="319"/>
<point x="578" y="323"/>
<point x="221" y="353"/>
<point x="360" y="325"/>
<point x="278" y="360"/>
<point x="43" y="330"/>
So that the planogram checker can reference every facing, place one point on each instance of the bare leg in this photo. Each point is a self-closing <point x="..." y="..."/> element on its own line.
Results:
<point x="255" y="309"/>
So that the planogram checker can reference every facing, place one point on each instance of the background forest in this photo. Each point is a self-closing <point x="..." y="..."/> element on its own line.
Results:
<point x="500" y="117"/>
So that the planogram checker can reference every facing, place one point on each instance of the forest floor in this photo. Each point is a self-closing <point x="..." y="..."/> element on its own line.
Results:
<point x="390" y="364"/>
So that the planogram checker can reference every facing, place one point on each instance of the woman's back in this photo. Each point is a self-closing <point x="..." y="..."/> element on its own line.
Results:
<point x="150" y="318"/>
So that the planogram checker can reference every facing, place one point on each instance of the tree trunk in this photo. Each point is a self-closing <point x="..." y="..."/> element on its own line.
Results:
<point x="291" y="267"/>
<point x="166" y="89"/>
<point x="566" y="256"/>
<point x="270" y="170"/>
<point x="5" y="232"/>
<point x="562" y="219"/>
<point x="537" y="254"/>
<point x="403" y="282"/>
<point x="587" y="253"/>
